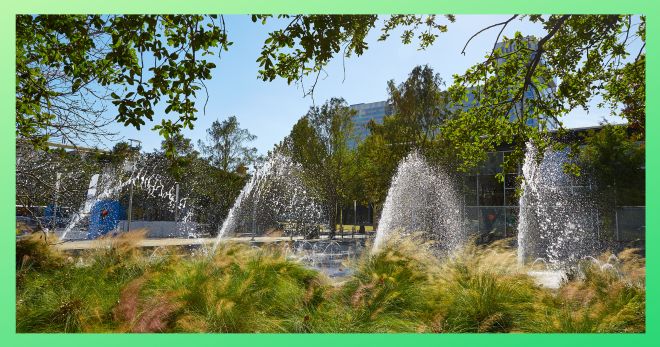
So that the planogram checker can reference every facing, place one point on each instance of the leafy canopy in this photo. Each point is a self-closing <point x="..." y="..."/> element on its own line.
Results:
<point x="523" y="88"/>
<point x="65" y="60"/>
<point x="133" y="61"/>
<point x="69" y="67"/>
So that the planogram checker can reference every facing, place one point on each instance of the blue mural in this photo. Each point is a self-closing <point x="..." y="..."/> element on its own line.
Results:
<point x="53" y="219"/>
<point x="104" y="217"/>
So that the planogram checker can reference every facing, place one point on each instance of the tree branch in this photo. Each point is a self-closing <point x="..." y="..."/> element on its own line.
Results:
<point x="503" y="24"/>
<point x="531" y="67"/>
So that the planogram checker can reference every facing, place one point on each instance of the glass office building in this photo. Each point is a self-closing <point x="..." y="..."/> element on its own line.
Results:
<point x="491" y="205"/>
<point x="365" y="113"/>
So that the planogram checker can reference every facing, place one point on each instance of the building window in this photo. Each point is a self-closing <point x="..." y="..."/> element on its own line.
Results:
<point x="491" y="191"/>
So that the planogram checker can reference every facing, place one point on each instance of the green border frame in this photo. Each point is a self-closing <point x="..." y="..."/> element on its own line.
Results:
<point x="10" y="8"/>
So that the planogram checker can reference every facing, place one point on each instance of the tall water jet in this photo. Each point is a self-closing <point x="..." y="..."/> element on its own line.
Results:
<point x="275" y="193"/>
<point x="558" y="218"/>
<point x="424" y="200"/>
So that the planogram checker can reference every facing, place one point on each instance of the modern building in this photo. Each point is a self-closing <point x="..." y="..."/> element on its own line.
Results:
<point x="366" y="112"/>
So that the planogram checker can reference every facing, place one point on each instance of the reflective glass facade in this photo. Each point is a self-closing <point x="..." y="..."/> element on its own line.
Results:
<point x="491" y="207"/>
<point x="366" y="112"/>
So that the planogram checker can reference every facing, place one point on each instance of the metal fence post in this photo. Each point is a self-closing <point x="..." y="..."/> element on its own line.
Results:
<point x="176" y="203"/>
<point x="616" y="223"/>
<point x="130" y="208"/>
<point x="58" y="177"/>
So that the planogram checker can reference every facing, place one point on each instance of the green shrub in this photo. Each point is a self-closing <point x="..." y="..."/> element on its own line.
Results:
<point x="239" y="289"/>
<point x="484" y="290"/>
<point x="604" y="298"/>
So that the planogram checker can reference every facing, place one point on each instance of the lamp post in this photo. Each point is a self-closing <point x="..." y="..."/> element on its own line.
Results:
<point x="130" y="207"/>
<point x="129" y="166"/>
<point x="254" y="219"/>
<point x="58" y="178"/>
<point x="176" y="203"/>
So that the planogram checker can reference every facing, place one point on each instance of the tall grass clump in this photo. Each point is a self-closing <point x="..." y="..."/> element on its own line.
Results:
<point x="56" y="293"/>
<point x="238" y="289"/>
<point x="605" y="296"/>
<point x="404" y="287"/>
<point x="35" y="253"/>
<point x="482" y="289"/>
<point x="390" y="291"/>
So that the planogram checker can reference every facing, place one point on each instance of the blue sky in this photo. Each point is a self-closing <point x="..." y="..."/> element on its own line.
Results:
<point x="269" y="109"/>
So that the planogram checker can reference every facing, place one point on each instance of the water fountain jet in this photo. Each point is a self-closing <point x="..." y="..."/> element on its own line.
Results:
<point x="275" y="192"/>
<point x="558" y="218"/>
<point x="422" y="199"/>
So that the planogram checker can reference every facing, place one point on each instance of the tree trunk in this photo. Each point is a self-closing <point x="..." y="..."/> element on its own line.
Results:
<point x="332" y="214"/>
<point x="377" y="209"/>
<point x="341" y="219"/>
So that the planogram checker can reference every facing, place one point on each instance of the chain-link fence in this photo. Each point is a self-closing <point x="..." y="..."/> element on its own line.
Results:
<point x="630" y="222"/>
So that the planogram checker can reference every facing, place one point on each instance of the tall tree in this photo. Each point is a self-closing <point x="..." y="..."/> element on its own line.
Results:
<point x="184" y="155"/>
<point x="319" y="141"/>
<point x="418" y="105"/>
<point x="227" y="146"/>
<point x="419" y="108"/>
<point x="615" y="160"/>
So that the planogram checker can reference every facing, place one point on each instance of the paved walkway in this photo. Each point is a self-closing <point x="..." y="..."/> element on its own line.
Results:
<point x="90" y="244"/>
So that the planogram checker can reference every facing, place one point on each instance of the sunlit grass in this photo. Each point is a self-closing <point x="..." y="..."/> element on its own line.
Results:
<point x="405" y="287"/>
